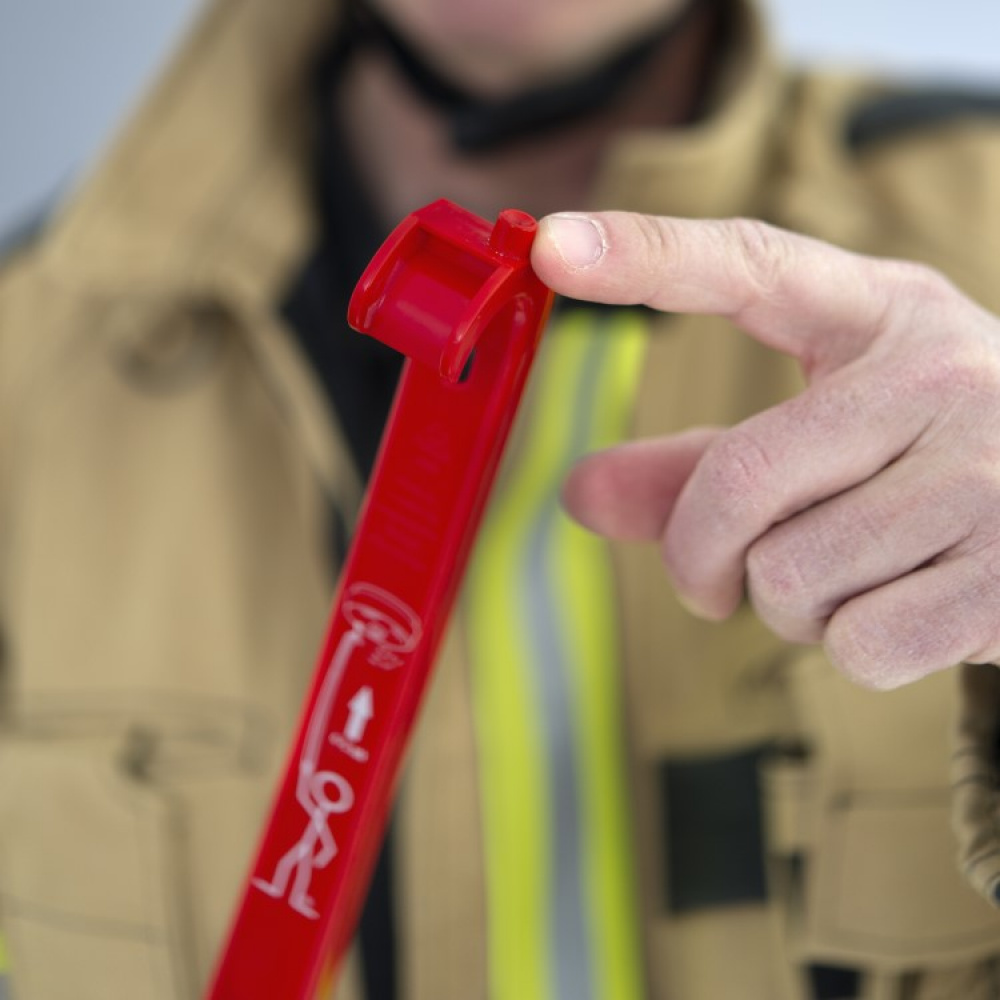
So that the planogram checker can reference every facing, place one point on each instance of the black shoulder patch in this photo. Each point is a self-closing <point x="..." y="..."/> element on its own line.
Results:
<point x="889" y="116"/>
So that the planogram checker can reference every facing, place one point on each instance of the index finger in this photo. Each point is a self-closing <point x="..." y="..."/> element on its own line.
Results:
<point x="818" y="303"/>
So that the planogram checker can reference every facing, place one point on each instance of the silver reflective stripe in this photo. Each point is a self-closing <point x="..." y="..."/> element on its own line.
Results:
<point x="544" y="647"/>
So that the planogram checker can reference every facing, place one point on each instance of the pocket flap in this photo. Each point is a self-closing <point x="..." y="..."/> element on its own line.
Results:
<point x="883" y="887"/>
<point x="84" y="876"/>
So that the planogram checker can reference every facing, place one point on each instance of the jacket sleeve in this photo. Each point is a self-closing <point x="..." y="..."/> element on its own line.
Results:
<point x="976" y="778"/>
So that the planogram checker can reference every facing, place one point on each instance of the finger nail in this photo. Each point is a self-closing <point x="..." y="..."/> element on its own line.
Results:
<point x="577" y="238"/>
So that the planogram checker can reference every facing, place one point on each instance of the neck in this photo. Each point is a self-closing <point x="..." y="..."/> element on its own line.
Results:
<point x="403" y="146"/>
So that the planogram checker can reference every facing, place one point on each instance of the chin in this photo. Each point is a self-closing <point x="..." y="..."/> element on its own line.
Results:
<point x="492" y="43"/>
<point x="485" y="25"/>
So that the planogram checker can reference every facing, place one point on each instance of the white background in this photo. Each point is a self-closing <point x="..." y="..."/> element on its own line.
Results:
<point x="70" y="69"/>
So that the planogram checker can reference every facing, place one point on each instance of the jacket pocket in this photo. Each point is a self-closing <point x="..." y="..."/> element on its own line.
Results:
<point x="114" y="881"/>
<point x="85" y="876"/>
<point x="882" y="886"/>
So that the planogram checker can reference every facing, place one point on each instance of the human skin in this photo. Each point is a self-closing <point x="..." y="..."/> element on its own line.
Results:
<point x="404" y="148"/>
<point x="863" y="513"/>
<point x="495" y="46"/>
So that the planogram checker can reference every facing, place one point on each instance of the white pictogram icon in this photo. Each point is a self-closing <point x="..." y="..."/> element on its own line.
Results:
<point x="360" y="711"/>
<point x="391" y="628"/>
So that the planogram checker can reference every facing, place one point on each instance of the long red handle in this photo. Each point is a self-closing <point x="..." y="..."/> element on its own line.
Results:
<point x="460" y="299"/>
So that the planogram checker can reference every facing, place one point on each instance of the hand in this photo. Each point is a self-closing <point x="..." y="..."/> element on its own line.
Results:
<point x="863" y="513"/>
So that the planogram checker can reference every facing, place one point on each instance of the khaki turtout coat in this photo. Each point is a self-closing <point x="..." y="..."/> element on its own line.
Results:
<point x="167" y="466"/>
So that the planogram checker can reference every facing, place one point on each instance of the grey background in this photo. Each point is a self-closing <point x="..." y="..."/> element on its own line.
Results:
<point x="71" y="69"/>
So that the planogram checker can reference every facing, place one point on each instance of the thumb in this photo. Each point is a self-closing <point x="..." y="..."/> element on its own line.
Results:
<point x="628" y="492"/>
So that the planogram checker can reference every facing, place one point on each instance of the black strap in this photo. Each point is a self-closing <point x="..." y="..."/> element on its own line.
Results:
<point x="713" y="830"/>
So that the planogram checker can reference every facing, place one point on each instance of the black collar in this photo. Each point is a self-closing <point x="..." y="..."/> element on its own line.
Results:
<point x="481" y="125"/>
<point x="359" y="374"/>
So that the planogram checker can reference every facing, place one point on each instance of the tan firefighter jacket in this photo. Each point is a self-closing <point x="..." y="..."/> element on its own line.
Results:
<point x="168" y="464"/>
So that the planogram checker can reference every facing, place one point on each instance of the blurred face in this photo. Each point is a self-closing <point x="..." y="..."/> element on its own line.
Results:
<point x="502" y="45"/>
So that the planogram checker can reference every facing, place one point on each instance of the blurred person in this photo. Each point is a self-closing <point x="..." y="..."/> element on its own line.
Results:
<point x="623" y="785"/>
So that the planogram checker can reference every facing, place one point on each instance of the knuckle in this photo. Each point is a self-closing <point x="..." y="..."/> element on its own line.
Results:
<point x="960" y="379"/>
<point x="882" y="644"/>
<point x="657" y="253"/>
<point x="777" y="579"/>
<point x="947" y="355"/>
<point x="921" y="298"/>
<point x="737" y="468"/>
<point x="661" y="247"/>
<point x="786" y="588"/>
<point x="972" y="606"/>
<point x="765" y="253"/>
<point x="923" y="283"/>
<point x="968" y="491"/>
<point x="857" y="644"/>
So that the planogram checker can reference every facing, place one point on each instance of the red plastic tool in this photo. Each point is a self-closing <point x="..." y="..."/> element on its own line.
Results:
<point x="460" y="299"/>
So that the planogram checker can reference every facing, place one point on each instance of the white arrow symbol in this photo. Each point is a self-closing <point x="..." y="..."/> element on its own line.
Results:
<point x="361" y="708"/>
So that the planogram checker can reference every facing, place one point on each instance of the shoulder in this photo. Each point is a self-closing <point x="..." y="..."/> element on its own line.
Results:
<point x="875" y="121"/>
<point x="895" y="168"/>
<point x="38" y="312"/>
<point x="864" y="114"/>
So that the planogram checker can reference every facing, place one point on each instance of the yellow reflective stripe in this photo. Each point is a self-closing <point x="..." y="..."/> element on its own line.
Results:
<point x="514" y="780"/>
<point x="591" y="628"/>
<point x="514" y="787"/>
<point x="4" y="958"/>
<point x="582" y="396"/>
